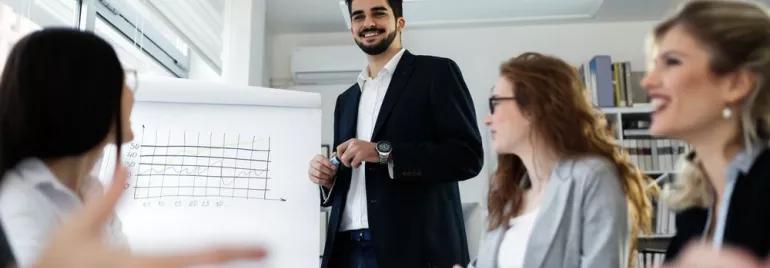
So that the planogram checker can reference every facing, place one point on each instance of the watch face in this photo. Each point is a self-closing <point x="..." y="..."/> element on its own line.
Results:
<point x="383" y="147"/>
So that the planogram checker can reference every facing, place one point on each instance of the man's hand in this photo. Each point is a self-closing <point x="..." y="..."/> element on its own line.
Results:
<point x="79" y="242"/>
<point x="703" y="255"/>
<point x="354" y="152"/>
<point x="322" y="171"/>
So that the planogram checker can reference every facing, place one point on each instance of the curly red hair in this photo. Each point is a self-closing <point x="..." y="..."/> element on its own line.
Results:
<point x="550" y="90"/>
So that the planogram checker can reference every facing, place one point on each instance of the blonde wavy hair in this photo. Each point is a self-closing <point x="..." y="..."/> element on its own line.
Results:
<point x="737" y="34"/>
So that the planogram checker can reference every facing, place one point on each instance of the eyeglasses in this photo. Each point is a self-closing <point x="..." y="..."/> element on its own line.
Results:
<point x="132" y="80"/>
<point x="493" y="101"/>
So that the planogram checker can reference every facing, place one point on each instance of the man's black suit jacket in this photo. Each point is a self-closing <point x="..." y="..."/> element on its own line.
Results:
<point x="415" y="218"/>
<point x="748" y="216"/>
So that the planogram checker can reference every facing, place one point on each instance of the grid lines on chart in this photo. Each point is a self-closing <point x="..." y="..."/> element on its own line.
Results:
<point x="201" y="164"/>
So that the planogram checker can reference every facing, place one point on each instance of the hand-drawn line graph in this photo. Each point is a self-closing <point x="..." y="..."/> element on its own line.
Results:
<point x="200" y="164"/>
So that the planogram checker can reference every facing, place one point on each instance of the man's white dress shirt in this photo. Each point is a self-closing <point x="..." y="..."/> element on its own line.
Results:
<point x="373" y="91"/>
<point x="33" y="203"/>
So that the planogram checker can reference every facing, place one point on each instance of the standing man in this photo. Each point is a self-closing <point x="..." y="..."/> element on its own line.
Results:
<point x="405" y="134"/>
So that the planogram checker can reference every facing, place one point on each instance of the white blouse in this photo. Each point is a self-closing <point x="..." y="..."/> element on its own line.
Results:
<point x="514" y="245"/>
<point x="33" y="203"/>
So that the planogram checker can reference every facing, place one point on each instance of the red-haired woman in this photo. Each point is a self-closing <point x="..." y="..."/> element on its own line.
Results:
<point x="564" y="194"/>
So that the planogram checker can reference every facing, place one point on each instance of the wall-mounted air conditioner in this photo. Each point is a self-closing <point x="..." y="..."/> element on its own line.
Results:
<point x="323" y="65"/>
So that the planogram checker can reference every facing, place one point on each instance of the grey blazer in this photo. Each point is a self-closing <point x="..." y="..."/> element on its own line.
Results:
<point x="583" y="221"/>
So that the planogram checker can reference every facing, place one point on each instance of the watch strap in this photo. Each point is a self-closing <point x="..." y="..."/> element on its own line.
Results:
<point x="383" y="158"/>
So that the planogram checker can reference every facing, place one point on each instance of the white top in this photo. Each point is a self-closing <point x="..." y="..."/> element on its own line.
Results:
<point x="514" y="245"/>
<point x="33" y="203"/>
<point x="355" y="215"/>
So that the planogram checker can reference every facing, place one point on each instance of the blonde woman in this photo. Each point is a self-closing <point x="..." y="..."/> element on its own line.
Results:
<point x="707" y="81"/>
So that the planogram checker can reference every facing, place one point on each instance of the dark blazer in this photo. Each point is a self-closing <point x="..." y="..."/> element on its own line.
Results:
<point x="7" y="258"/>
<point x="416" y="218"/>
<point x="748" y="219"/>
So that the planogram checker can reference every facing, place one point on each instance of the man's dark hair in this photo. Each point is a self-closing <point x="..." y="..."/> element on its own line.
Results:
<point x="60" y="94"/>
<point x="395" y="5"/>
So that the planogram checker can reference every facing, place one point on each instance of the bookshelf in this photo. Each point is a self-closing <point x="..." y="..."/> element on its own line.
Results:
<point x="615" y="88"/>
<point x="655" y="157"/>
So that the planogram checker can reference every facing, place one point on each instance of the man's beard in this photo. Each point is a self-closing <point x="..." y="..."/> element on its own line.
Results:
<point x="377" y="48"/>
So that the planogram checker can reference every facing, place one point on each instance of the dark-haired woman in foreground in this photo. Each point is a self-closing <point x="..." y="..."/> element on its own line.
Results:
<point x="63" y="97"/>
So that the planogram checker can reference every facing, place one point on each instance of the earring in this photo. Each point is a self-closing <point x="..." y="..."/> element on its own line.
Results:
<point x="727" y="113"/>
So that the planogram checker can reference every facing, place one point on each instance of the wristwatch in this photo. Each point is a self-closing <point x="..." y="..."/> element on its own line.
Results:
<point x="383" y="149"/>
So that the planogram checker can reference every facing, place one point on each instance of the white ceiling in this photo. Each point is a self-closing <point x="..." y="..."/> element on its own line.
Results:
<point x="294" y="16"/>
